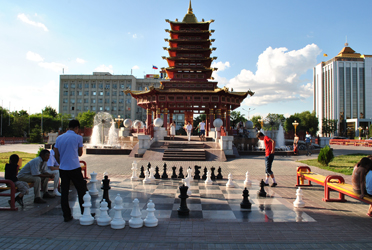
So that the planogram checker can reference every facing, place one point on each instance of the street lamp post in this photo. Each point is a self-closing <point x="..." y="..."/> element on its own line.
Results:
<point x="249" y="110"/>
<point x="261" y="121"/>
<point x="295" y="124"/>
<point x="360" y="132"/>
<point x="119" y="120"/>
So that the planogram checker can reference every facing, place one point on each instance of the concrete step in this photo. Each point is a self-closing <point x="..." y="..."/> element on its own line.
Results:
<point x="184" y="155"/>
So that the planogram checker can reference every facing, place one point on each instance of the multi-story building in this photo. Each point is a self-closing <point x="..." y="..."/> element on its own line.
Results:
<point x="103" y="91"/>
<point x="343" y="91"/>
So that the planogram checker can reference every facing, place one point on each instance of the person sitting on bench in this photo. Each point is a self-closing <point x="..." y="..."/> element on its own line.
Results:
<point x="369" y="187"/>
<point x="35" y="171"/>
<point x="11" y="171"/>
<point x="358" y="178"/>
<point x="53" y="168"/>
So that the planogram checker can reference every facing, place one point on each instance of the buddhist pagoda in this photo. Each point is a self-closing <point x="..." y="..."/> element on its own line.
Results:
<point x="189" y="87"/>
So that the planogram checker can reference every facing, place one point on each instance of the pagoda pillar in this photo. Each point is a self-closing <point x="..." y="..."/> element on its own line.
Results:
<point x="207" y="125"/>
<point x="158" y="113"/>
<point x="228" y="119"/>
<point x="211" y="118"/>
<point x="149" y="117"/>
<point x="165" y="122"/>
<point x="218" y="113"/>
<point x="223" y="117"/>
<point x="170" y="116"/>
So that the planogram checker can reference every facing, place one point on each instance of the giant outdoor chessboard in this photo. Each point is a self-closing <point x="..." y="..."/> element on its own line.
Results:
<point x="207" y="202"/>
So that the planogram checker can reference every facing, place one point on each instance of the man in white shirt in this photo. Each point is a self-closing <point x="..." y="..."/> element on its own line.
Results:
<point x="53" y="168"/>
<point x="188" y="130"/>
<point x="202" y="130"/>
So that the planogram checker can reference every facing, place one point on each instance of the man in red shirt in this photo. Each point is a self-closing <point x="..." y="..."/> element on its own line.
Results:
<point x="269" y="157"/>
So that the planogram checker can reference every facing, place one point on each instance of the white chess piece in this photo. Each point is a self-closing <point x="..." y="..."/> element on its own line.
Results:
<point x="93" y="187"/>
<point x="247" y="181"/>
<point x="209" y="181"/>
<point x="299" y="202"/>
<point x="147" y="178"/>
<point x="230" y="183"/>
<point x="134" y="171"/>
<point x="150" y="220"/>
<point x="152" y="173"/>
<point x="187" y="183"/>
<point x="118" y="222"/>
<point x="136" y="221"/>
<point x="86" y="219"/>
<point x="104" y="219"/>
<point x="189" y="174"/>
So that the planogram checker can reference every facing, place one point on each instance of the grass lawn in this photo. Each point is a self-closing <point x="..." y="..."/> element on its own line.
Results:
<point x="343" y="164"/>
<point x="4" y="158"/>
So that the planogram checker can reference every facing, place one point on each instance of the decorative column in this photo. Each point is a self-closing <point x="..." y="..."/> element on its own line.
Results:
<point x="158" y="113"/>
<point x="223" y="118"/>
<point x="211" y="118"/>
<point x="228" y="120"/>
<point x="207" y="125"/>
<point x="218" y="113"/>
<point x="165" y="121"/>
<point x="149" y="117"/>
<point x="171" y="116"/>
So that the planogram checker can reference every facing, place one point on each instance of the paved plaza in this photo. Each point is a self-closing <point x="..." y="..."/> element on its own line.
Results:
<point x="215" y="221"/>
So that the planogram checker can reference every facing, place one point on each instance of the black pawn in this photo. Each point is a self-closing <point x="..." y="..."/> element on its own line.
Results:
<point x="164" y="175"/>
<point x="245" y="204"/>
<point x="106" y="187"/>
<point x="157" y="175"/>
<point x="197" y="172"/>
<point x="180" y="175"/>
<point x="213" y="176"/>
<point x="183" y="209"/>
<point x="174" y="175"/>
<point x="262" y="192"/>
<point x="142" y="174"/>
<point x="148" y="166"/>
<point x="219" y="175"/>
<point x="204" y="177"/>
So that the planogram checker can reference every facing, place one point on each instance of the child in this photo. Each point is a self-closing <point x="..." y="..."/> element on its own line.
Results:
<point x="11" y="171"/>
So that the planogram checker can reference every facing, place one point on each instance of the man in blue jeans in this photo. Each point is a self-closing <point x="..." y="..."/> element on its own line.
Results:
<point x="68" y="148"/>
<point x="269" y="157"/>
<point x="308" y="143"/>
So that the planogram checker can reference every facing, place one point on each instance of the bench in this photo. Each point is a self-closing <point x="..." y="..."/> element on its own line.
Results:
<point x="13" y="190"/>
<point x="83" y="166"/>
<point x="304" y="173"/>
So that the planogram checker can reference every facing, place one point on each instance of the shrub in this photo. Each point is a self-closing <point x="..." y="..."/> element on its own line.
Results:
<point x="35" y="135"/>
<point x="38" y="152"/>
<point x="325" y="156"/>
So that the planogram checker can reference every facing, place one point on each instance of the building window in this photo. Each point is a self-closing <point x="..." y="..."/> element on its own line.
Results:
<point x="80" y="93"/>
<point x="114" y="108"/>
<point x="100" y="85"/>
<point x="114" y="86"/>
<point x="86" y="108"/>
<point x="93" y="85"/>
<point x="86" y="93"/>
<point x="93" y="108"/>
<point x="107" y="86"/>
<point x="121" y="100"/>
<point x="101" y="93"/>
<point x="65" y="100"/>
<point x="361" y="91"/>
<point x="72" y="100"/>
<point x="94" y="93"/>
<point x="107" y="93"/>
<point x="114" y="101"/>
<point x="93" y="100"/>
<point x="129" y="100"/>
<point x="107" y="108"/>
<point x="100" y="100"/>
<point x="79" y="86"/>
<point x="121" y="93"/>
<point x="100" y="108"/>
<point x="64" y="108"/>
<point x="86" y="85"/>
<point x="72" y="93"/>
<point x="114" y="93"/>
<point x="65" y="85"/>
<point x="122" y="86"/>
<point x="86" y="100"/>
<point x="72" y="85"/>
<point x="78" y="108"/>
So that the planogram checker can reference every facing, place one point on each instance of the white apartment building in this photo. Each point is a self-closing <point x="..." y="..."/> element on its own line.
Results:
<point x="343" y="91"/>
<point x="102" y="91"/>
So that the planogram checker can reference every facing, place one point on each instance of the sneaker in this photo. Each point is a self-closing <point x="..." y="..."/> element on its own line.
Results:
<point x="56" y="193"/>
<point x="266" y="184"/>
<point x="67" y="219"/>
<point x="19" y="200"/>
<point x="274" y="184"/>
<point x="48" y="196"/>
<point x="39" y="200"/>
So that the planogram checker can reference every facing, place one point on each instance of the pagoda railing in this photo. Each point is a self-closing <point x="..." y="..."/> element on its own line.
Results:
<point x="150" y="130"/>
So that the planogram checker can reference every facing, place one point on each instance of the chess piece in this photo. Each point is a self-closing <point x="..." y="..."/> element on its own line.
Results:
<point x="136" y="221"/>
<point x="247" y="181"/>
<point x="174" y="175"/>
<point x="183" y="209"/>
<point x="299" y="215"/>
<point x="189" y="174"/>
<point x="148" y="166"/>
<point x="245" y="204"/>
<point x="180" y="175"/>
<point x="213" y="176"/>
<point x="142" y="174"/>
<point x="86" y="219"/>
<point x="204" y="177"/>
<point x="299" y="202"/>
<point x="150" y="220"/>
<point x="118" y="222"/>
<point x="134" y="171"/>
<point x="164" y="175"/>
<point x="104" y="219"/>
<point x="106" y="187"/>
<point x="93" y="191"/>
<point x="208" y="180"/>
<point x="152" y="173"/>
<point x="187" y="184"/>
<point x="157" y="175"/>
<point x="230" y="183"/>
<point x="147" y="178"/>
<point x="219" y="175"/>
<point x="197" y="172"/>
<point x="262" y="192"/>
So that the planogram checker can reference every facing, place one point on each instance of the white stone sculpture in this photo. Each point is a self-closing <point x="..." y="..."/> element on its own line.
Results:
<point x="208" y="181"/>
<point x="247" y="181"/>
<point x="299" y="202"/>
<point x="118" y="222"/>
<point x="104" y="219"/>
<point x="151" y="220"/>
<point x="136" y="221"/>
<point x="230" y="183"/>
<point x="93" y="191"/>
<point x="134" y="171"/>
<point x="86" y="219"/>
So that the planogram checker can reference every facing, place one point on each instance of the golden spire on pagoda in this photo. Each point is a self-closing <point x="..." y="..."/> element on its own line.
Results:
<point x="190" y="9"/>
<point x="190" y="17"/>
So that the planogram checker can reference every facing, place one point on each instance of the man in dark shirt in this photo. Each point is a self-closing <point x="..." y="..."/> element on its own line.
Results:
<point x="11" y="172"/>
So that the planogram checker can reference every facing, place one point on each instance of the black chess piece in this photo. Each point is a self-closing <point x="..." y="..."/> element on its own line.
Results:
<point x="262" y="192"/>
<point x="245" y="204"/>
<point x="219" y="175"/>
<point x="213" y="176"/>
<point x="174" y="175"/>
<point x="157" y="175"/>
<point x="106" y="187"/>
<point x="180" y="175"/>
<point x="164" y="175"/>
<point x="204" y="177"/>
<point x="142" y="174"/>
<point x="148" y="166"/>
<point x="197" y="172"/>
<point x="183" y="209"/>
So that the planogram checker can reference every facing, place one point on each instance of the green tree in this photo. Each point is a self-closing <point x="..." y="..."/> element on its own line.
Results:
<point x="86" y="119"/>
<point x="255" y="121"/>
<point x="49" y="123"/>
<point x="35" y="135"/>
<point x="48" y="110"/>
<point x="273" y="121"/>
<point x="64" y="120"/>
<point x="5" y="123"/>
<point x="329" y="126"/>
<point x="236" y="117"/>
<point x="309" y="122"/>
<point x="20" y="123"/>
<point x="288" y="124"/>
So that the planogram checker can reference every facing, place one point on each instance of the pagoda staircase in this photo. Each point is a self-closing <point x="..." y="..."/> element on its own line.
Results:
<point x="185" y="152"/>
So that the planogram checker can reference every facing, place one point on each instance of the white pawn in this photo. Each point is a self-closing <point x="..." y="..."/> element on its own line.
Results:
<point x="134" y="171"/>
<point x="136" y="221"/>
<point x="118" y="222"/>
<point x="187" y="183"/>
<point x="299" y="202"/>
<point x="93" y="187"/>
<point x="247" y="181"/>
<point x="189" y="174"/>
<point x="152" y="173"/>
<point x="147" y="178"/>
<point x="151" y="220"/>
<point x="104" y="219"/>
<point x="86" y="219"/>
<point x="230" y="183"/>
<point x="208" y="181"/>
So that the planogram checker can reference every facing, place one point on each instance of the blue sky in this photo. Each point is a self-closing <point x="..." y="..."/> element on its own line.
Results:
<point x="268" y="46"/>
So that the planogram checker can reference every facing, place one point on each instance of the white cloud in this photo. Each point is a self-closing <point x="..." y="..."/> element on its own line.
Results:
<point x="104" y="68"/>
<point x="220" y="65"/>
<point x="134" y="36"/>
<point x="277" y="78"/>
<point x="25" y="19"/>
<point x="79" y="60"/>
<point x="32" y="56"/>
<point x="135" y="67"/>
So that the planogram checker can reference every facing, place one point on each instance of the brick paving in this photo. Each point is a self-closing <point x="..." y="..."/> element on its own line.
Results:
<point x="337" y="226"/>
